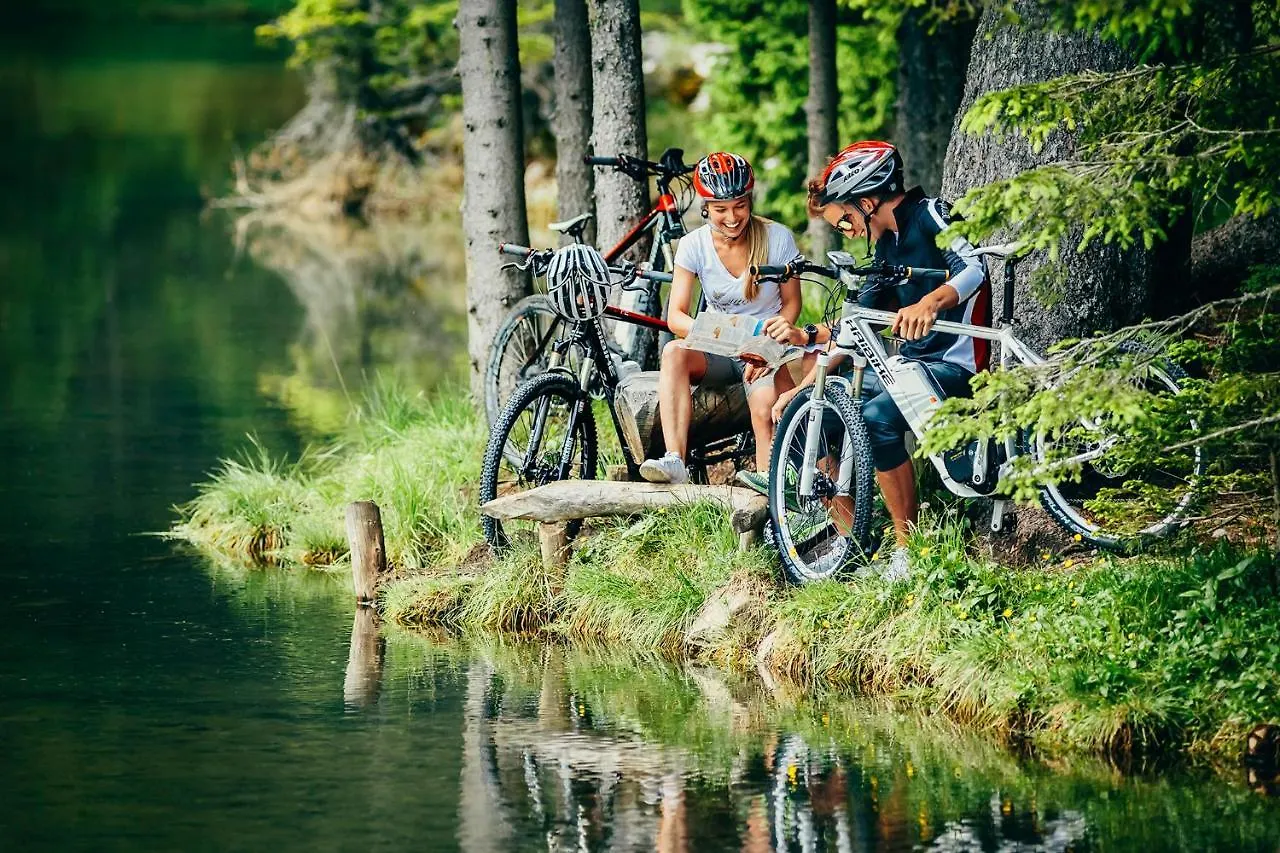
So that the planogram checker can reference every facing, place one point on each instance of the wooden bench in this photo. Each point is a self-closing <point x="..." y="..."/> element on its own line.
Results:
<point x="569" y="500"/>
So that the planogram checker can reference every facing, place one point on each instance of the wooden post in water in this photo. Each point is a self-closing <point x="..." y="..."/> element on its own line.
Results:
<point x="368" y="549"/>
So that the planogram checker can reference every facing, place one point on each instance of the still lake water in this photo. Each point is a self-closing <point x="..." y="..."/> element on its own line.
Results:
<point x="152" y="701"/>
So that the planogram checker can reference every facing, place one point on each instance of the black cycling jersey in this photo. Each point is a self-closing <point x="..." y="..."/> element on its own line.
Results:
<point x="920" y="219"/>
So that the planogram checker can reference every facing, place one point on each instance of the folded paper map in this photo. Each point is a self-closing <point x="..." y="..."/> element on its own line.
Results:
<point x="735" y="336"/>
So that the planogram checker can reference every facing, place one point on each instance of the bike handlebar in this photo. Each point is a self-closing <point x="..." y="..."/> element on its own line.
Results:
<point x="800" y="266"/>
<point x="671" y="165"/>
<point x="513" y="249"/>
<point x="543" y="256"/>
<point x="654" y="275"/>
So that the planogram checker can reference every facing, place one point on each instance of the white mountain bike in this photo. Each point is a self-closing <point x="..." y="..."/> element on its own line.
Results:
<point x="821" y="478"/>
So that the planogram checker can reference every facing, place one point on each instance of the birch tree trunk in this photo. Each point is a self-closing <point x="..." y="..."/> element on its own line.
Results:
<point x="493" y="204"/>
<point x="617" y="115"/>
<point x="822" y="110"/>
<point x="931" y="82"/>
<point x="571" y="116"/>
<point x="1104" y="287"/>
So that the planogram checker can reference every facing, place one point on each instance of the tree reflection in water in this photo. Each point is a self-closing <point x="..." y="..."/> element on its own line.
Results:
<point x="378" y="295"/>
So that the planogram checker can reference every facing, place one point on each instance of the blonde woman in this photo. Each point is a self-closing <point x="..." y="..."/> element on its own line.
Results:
<point x="719" y="256"/>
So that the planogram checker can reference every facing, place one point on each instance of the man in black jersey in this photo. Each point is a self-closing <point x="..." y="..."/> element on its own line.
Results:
<point x="861" y="194"/>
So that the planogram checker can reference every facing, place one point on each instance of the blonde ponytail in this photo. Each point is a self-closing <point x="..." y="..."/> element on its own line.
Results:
<point x="757" y="254"/>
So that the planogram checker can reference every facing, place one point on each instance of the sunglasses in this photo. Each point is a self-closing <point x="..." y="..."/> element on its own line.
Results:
<point x="843" y="226"/>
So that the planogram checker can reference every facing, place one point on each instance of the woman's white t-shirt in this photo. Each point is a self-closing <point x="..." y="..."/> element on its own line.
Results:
<point x="722" y="291"/>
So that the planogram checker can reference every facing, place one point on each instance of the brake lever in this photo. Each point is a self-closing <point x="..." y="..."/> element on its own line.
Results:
<point x="630" y="273"/>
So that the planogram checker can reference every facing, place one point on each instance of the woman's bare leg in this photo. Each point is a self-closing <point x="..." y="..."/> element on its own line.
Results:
<point x="680" y="368"/>
<point x="760" y="400"/>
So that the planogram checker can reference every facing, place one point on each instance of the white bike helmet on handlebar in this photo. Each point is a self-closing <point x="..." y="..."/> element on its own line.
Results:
<point x="578" y="282"/>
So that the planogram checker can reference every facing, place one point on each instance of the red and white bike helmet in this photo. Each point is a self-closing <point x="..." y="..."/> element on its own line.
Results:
<point x="722" y="176"/>
<point x="863" y="169"/>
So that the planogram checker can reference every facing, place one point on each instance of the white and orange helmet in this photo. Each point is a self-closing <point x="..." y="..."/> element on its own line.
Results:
<point x="862" y="169"/>
<point x="722" y="176"/>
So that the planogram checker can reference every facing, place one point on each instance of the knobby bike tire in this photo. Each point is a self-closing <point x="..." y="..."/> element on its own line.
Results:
<point x="811" y="549"/>
<point x="536" y="306"/>
<point x="552" y="387"/>
<point x="1060" y="507"/>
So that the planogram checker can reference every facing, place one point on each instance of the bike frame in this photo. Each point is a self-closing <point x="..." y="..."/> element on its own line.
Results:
<point x="857" y="337"/>
<point x="664" y="218"/>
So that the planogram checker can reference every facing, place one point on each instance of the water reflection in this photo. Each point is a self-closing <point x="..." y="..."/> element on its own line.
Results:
<point x="380" y="295"/>
<point x="363" y="681"/>
<point x="565" y="749"/>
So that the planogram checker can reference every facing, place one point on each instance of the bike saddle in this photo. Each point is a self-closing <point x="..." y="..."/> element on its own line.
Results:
<point x="570" y="225"/>
<point x="1003" y="250"/>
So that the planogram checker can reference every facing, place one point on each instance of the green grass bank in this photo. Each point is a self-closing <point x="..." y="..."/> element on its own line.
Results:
<point x="1155" y="653"/>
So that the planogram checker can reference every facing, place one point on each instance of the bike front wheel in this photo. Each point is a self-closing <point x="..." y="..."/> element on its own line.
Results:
<point x="546" y="421"/>
<point x="520" y="351"/>
<point x="819" y="534"/>
<point x="1122" y="500"/>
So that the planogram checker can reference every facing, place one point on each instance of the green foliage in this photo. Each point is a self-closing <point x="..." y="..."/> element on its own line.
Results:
<point x="1191" y="128"/>
<point x="1151" y="143"/>
<point x="1227" y="408"/>
<point x="409" y="455"/>
<point x="759" y="85"/>
<point x="644" y="582"/>
<point x="381" y="56"/>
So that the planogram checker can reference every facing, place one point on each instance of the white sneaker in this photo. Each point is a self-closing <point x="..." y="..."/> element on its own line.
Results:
<point x="897" y="567"/>
<point x="669" y="469"/>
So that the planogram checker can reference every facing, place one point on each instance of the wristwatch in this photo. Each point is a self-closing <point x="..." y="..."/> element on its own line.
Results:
<point x="812" y="331"/>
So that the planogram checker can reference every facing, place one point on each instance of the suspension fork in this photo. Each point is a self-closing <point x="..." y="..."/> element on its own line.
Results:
<point x="531" y="452"/>
<point x="845" y="483"/>
<point x="592" y="336"/>
<point x="813" y="429"/>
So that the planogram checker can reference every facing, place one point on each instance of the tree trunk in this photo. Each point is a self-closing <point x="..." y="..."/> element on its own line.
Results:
<point x="822" y="110"/>
<point x="1221" y="257"/>
<point x="1100" y="289"/>
<point x="617" y="114"/>
<point x="931" y="82"/>
<point x="493" y="205"/>
<point x="571" y="113"/>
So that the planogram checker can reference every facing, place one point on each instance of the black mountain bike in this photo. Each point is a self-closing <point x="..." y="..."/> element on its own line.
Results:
<point x="547" y="430"/>
<point x="522" y="347"/>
